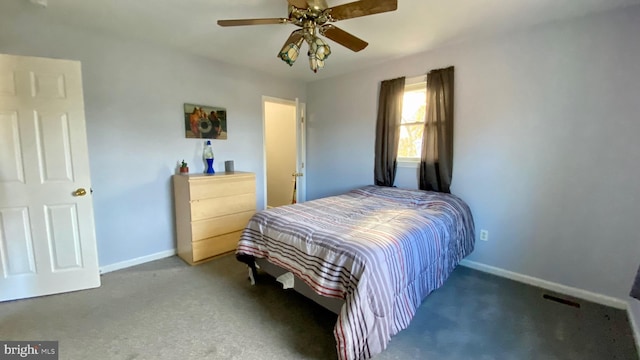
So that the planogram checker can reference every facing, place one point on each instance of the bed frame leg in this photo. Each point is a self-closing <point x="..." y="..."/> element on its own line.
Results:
<point x="251" y="264"/>
<point x="252" y="276"/>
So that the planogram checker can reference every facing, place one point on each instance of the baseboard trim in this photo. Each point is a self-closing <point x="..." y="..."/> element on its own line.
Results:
<point x="137" y="261"/>
<point x="634" y="326"/>
<point x="549" y="285"/>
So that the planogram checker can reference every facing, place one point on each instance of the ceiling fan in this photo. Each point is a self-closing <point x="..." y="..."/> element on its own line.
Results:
<point x="314" y="18"/>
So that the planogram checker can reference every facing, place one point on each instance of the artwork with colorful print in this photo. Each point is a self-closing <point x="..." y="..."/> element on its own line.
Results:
<point x="205" y="122"/>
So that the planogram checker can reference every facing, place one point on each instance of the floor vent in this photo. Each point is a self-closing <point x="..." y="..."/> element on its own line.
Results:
<point x="561" y="300"/>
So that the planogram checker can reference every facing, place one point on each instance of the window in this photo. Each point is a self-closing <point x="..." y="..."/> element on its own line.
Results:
<point x="414" y="107"/>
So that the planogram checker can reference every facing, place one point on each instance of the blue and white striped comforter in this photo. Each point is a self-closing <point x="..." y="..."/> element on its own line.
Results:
<point x="381" y="249"/>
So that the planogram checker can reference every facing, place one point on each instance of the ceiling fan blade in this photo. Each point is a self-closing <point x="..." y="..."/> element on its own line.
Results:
<point x="362" y="8"/>
<point x="343" y="38"/>
<point x="241" y="22"/>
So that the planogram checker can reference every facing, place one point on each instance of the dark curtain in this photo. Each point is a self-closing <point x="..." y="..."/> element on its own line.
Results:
<point x="635" y="289"/>
<point x="436" y="161"/>
<point x="387" y="130"/>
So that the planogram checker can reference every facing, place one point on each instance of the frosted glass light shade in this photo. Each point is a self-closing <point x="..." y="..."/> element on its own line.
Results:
<point x="318" y="51"/>
<point x="290" y="51"/>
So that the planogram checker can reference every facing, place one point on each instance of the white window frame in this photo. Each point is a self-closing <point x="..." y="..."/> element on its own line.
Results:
<point x="410" y="84"/>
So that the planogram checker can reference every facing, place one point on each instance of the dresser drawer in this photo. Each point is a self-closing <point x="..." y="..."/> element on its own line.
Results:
<point x="220" y="225"/>
<point x="215" y="207"/>
<point x="217" y="245"/>
<point x="220" y="187"/>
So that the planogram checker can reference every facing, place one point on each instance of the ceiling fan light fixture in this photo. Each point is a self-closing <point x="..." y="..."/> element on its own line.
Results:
<point x="319" y="51"/>
<point x="290" y="51"/>
<point x="315" y="64"/>
<point x="313" y="17"/>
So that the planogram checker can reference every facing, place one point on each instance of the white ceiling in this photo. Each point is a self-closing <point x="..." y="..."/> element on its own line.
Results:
<point x="417" y="26"/>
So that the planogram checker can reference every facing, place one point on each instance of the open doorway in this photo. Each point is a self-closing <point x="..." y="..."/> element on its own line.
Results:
<point x="283" y="124"/>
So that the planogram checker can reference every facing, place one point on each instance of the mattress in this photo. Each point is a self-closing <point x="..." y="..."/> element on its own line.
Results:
<point x="380" y="250"/>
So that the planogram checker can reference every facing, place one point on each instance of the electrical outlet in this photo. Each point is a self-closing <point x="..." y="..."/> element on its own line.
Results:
<point x="484" y="235"/>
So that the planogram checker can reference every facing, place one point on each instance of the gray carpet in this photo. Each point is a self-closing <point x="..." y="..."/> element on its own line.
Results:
<point x="169" y="310"/>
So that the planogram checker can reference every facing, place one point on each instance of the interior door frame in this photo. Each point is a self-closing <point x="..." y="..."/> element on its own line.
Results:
<point x="301" y="188"/>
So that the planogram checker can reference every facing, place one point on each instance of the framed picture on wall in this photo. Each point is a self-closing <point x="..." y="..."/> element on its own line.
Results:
<point x="205" y="122"/>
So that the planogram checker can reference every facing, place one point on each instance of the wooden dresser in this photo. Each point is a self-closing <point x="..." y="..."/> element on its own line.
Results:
<point x="211" y="211"/>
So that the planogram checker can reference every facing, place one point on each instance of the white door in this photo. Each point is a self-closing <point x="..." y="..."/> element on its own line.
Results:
<point x="47" y="235"/>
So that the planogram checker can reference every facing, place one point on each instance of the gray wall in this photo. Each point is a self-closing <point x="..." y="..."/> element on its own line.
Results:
<point x="134" y="95"/>
<point x="546" y="145"/>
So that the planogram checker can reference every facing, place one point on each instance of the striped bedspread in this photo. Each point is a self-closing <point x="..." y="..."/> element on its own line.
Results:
<point x="381" y="249"/>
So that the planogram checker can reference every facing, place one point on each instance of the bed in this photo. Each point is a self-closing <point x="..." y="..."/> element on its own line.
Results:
<point x="379" y="251"/>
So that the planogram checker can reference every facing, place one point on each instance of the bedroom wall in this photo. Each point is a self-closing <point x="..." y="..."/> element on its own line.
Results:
<point x="545" y="151"/>
<point x="134" y="95"/>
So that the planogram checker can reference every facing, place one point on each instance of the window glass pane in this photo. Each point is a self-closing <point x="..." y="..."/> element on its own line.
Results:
<point x="414" y="106"/>
<point x="410" y="144"/>
<point x="412" y="123"/>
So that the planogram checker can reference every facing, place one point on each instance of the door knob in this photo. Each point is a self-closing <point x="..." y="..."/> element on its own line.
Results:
<point x="80" y="192"/>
